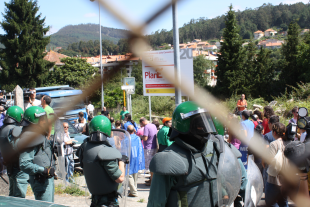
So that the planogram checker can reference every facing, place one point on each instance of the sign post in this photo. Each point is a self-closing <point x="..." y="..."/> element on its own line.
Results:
<point x="130" y="81"/>
<point x="150" y="109"/>
<point x="129" y="90"/>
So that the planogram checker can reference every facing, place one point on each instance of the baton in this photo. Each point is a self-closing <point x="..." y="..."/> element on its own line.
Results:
<point x="4" y="179"/>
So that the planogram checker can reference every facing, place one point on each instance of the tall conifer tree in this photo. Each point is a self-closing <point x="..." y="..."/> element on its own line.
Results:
<point x="290" y="50"/>
<point x="22" y="59"/>
<point x="230" y="72"/>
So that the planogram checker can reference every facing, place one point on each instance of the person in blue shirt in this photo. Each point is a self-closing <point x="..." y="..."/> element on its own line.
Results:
<point x="130" y="122"/>
<point x="247" y="127"/>
<point x="137" y="161"/>
<point x="2" y="115"/>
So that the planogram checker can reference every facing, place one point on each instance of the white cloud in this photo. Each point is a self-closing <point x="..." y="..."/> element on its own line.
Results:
<point x="89" y="15"/>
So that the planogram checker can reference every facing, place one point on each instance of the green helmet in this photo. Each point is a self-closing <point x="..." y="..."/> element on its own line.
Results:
<point x="219" y="126"/>
<point x="99" y="128"/>
<point x="13" y="114"/>
<point x="189" y="118"/>
<point x="32" y="115"/>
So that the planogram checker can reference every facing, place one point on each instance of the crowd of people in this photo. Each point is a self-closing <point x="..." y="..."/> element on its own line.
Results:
<point x="275" y="135"/>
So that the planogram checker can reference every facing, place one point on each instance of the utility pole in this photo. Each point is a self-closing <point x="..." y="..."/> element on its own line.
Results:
<point x="176" y="48"/>
<point x="101" y="71"/>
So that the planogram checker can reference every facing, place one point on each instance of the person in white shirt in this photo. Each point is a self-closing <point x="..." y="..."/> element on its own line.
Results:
<point x="68" y="152"/>
<point x="90" y="109"/>
<point x="32" y="99"/>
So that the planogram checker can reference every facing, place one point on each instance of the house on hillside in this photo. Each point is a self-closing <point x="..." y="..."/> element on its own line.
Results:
<point x="284" y="33"/>
<point x="218" y="44"/>
<point x="193" y="46"/>
<point x="270" y="32"/>
<point x="54" y="57"/>
<point x="210" y="73"/>
<point x="182" y="46"/>
<point x="258" y="34"/>
<point x="304" y="31"/>
<point x="210" y="47"/>
<point x="201" y="44"/>
<point x="270" y="43"/>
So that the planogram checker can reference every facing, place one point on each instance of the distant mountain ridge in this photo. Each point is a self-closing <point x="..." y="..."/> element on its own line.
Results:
<point x="84" y="32"/>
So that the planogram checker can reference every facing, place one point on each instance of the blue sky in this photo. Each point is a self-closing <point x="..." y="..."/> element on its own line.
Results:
<point x="60" y="13"/>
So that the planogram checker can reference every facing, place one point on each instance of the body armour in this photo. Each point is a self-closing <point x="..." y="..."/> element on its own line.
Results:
<point x="44" y="154"/>
<point x="195" y="172"/>
<point x="97" y="179"/>
<point x="7" y="144"/>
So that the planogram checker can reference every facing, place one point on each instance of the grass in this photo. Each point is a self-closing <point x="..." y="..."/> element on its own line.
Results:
<point x="70" y="190"/>
<point x="141" y="200"/>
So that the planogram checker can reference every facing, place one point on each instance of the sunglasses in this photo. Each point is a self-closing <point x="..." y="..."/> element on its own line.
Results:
<point x="66" y="127"/>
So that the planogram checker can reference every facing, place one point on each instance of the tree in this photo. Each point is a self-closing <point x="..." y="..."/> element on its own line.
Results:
<point x="290" y="50"/>
<point x="200" y="66"/>
<point x="230" y="73"/>
<point x="137" y="73"/>
<point x="304" y="59"/>
<point x="22" y="58"/>
<point x="249" y="68"/>
<point x="76" y="72"/>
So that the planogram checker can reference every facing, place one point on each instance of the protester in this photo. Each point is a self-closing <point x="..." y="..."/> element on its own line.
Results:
<point x="231" y="137"/>
<point x="81" y="121"/>
<point x="274" y="195"/>
<point x="86" y="126"/>
<point x="241" y="104"/>
<point x="303" y="134"/>
<point x="295" y="115"/>
<point x="247" y="125"/>
<point x="268" y="139"/>
<point x="268" y="112"/>
<point x="156" y="123"/>
<point x="32" y="99"/>
<point x="90" y="109"/>
<point x="162" y="135"/>
<point x="45" y="103"/>
<point x="129" y="121"/>
<point x="122" y="114"/>
<point x="258" y="161"/>
<point x="254" y="120"/>
<point x="104" y="112"/>
<point x="150" y="144"/>
<point x="2" y="115"/>
<point x="112" y="122"/>
<point x="118" y="124"/>
<point x="247" y="128"/>
<point x="137" y="161"/>
<point x="259" y="116"/>
<point x="68" y="152"/>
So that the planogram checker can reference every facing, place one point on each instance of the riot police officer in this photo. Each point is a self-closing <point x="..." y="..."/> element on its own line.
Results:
<point x="9" y="135"/>
<point x="101" y="163"/>
<point x="37" y="160"/>
<point x="191" y="171"/>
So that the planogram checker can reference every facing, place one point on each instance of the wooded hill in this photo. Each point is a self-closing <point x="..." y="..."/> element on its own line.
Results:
<point x="84" y="32"/>
<point x="250" y="20"/>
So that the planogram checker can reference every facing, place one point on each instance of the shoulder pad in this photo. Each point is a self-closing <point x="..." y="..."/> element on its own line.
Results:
<point x="109" y="154"/>
<point x="235" y="151"/>
<point x="219" y="139"/>
<point x="37" y="141"/>
<point x="16" y="132"/>
<point x="169" y="163"/>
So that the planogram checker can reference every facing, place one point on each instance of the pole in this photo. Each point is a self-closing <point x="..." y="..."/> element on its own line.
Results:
<point x="101" y="71"/>
<point x="150" y="108"/>
<point x="124" y="95"/>
<point x="176" y="48"/>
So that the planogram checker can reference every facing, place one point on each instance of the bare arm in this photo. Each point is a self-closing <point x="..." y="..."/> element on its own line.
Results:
<point x="122" y="168"/>
<point x="109" y="116"/>
<point x="144" y="138"/>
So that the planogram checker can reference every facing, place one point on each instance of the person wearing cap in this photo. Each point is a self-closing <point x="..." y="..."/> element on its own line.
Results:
<point x="163" y="134"/>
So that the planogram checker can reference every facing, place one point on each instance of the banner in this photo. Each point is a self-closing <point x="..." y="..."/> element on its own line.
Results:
<point x="153" y="82"/>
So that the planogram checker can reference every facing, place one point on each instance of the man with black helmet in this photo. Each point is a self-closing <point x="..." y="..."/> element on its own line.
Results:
<point x="37" y="160"/>
<point x="102" y="164"/>
<point x="198" y="169"/>
<point x="9" y="135"/>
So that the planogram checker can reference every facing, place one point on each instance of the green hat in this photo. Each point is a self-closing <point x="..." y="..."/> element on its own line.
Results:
<point x="100" y="125"/>
<point x="184" y="116"/>
<point x="32" y="115"/>
<point x="13" y="114"/>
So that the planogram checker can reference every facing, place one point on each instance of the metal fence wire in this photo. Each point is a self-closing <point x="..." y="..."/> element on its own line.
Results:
<point x="138" y="45"/>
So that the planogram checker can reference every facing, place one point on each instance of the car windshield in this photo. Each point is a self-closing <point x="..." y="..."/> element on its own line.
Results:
<point x="72" y="129"/>
<point x="56" y="102"/>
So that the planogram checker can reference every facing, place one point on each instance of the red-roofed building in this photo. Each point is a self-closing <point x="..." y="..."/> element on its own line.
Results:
<point x="258" y="34"/>
<point x="54" y="57"/>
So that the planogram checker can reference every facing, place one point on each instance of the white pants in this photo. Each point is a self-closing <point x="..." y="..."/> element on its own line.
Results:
<point x="133" y="179"/>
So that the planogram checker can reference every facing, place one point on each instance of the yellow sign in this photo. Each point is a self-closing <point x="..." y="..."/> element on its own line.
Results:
<point x="164" y="90"/>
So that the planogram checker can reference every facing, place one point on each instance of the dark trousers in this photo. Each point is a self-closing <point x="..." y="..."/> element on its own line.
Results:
<point x="274" y="196"/>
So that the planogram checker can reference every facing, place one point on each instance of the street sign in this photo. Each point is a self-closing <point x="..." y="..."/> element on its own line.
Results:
<point x="130" y="81"/>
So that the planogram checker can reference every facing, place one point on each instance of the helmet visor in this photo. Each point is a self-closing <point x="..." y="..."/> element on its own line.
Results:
<point x="98" y="137"/>
<point x="202" y="124"/>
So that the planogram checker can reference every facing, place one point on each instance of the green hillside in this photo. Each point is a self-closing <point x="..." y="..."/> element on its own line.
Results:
<point x="250" y="20"/>
<point x="84" y="32"/>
